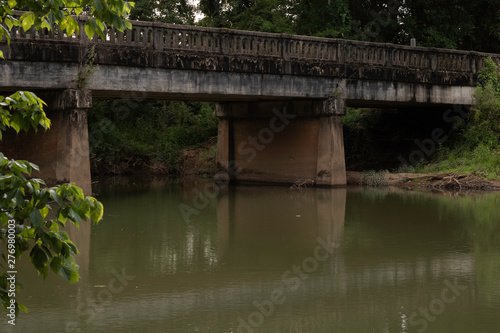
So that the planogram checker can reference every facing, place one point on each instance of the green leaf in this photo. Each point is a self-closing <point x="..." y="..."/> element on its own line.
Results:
<point x="69" y="274"/>
<point x="65" y="251"/>
<point x="44" y="211"/>
<point x="19" y="198"/>
<point x="54" y="227"/>
<point x="72" y="247"/>
<point x="72" y="26"/>
<point x="55" y="243"/>
<point x="74" y="216"/>
<point x="64" y="235"/>
<point x="97" y="212"/>
<point x="56" y="196"/>
<point x="36" y="218"/>
<point x="34" y="166"/>
<point x="27" y="21"/>
<point x="22" y="307"/>
<point x="39" y="259"/>
<point x="56" y="264"/>
<point x="89" y="29"/>
<point x="100" y="33"/>
<point x="9" y="23"/>
<point x="98" y="5"/>
<point x="77" y="192"/>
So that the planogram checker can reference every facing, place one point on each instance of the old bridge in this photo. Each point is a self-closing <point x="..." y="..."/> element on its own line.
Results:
<point x="280" y="97"/>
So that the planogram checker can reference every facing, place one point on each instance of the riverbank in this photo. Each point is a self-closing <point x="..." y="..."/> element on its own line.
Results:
<point x="200" y="162"/>
<point x="411" y="181"/>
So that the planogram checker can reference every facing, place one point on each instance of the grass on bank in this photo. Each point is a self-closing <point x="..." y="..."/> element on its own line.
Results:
<point x="478" y="146"/>
<point x="482" y="160"/>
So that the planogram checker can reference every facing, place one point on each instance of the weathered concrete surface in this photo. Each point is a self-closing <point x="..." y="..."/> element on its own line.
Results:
<point x="125" y="82"/>
<point x="330" y="169"/>
<point x="185" y="62"/>
<point x="62" y="152"/>
<point x="281" y="142"/>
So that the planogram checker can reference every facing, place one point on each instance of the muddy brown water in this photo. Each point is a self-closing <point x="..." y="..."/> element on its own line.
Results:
<point x="264" y="259"/>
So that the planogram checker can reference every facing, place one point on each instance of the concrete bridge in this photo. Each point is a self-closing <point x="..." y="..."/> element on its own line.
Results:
<point x="280" y="97"/>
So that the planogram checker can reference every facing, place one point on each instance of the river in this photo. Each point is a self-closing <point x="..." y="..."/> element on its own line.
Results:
<point x="266" y="259"/>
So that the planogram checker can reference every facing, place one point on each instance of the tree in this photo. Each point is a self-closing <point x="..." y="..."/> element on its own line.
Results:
<point x="325" y="18"/>
<point x="457" y="24"/>
<point x="484" y="125"/>
<point x="262" y="15"/>
<point x="33" y="214"/>
<point x="378" y="20"/>
<point x="169" y="11"/>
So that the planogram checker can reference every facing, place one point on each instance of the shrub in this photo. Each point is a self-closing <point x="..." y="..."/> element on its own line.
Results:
<point x="132" y="134"/>
<point x="372" y="178"/>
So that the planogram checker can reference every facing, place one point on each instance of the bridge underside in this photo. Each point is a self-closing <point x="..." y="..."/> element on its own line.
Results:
<point x="272" y="128"/>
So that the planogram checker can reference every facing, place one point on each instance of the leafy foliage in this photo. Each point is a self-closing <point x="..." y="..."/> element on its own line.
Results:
<point x="29" y="202"/>
<point x="478" y="148"/>
<point x="21" y="111"/>
<point x="484" y="125"/>
<point x="170" y="11"/>
<point x="150" y="136"/>
<point x="38" y="212"/>
<point x="264" y="15"/>
<point x="47" y="14"/>
<point x="461" y="24"/>
<point x="324" y="18"/>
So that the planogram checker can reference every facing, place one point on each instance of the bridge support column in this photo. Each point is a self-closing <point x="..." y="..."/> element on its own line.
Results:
<point x="331" y="158"/>
<point x="281" y="142"/>
<point x="62" y="152"/>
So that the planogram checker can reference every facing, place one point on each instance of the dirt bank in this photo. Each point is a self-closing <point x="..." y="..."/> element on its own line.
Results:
<point x="450" y="181"/>
<point x="198" y="162"/>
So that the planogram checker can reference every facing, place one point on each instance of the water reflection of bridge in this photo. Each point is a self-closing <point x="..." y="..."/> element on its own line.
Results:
<point x="251" y="236"/>
<point x="275" y="229"/>
<point x="222" y="297"/>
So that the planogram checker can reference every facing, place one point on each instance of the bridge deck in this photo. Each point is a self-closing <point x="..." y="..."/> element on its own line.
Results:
<point x="157" y="60"/>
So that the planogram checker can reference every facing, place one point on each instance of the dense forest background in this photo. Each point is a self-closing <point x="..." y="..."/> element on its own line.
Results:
<point x="154" y="135"/>
<point x="456" y="24"/>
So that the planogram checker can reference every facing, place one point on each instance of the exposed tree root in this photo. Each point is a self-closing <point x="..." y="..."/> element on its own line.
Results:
<point x="300" y="184"/>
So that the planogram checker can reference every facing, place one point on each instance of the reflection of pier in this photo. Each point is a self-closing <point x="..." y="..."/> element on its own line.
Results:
<point x="262" y="224"/>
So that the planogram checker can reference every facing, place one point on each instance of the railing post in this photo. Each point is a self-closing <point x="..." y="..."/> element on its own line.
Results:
<point x="224" y="41"/>
<point x="84" y="39"/>
<point x="157" y="37"/>
<point x="340" y="52"/>
<point x="285" y="43"/>
<point x="434" y="61"/>
<point x="472" y="63"/>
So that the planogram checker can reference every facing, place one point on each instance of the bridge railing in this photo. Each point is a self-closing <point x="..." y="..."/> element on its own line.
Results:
<point x="172" y="37"/>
